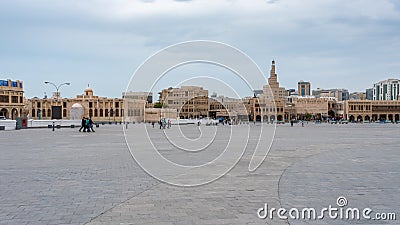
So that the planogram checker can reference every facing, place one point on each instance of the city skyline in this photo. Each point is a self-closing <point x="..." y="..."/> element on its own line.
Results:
<point x="332" y="44"/>
<point x="211" y="92"/>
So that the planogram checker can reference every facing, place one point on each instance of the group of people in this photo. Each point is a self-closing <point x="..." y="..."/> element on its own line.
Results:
<point x="164" y="123"/>
<point x="87" y="125"/>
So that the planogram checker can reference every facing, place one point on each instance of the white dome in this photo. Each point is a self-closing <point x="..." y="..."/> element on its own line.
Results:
<point x="88" y="89"/>
<point x="76" y="105"/>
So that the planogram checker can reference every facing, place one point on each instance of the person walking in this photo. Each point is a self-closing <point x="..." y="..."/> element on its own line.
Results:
<point x="91" y="125"/>
<point x="164" y="123"/>
<point x="83" y="124"/>
<point x="87" y="125"/>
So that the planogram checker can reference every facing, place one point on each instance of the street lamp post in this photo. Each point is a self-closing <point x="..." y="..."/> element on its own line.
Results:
<point x="57" y="87"/>
<point x="57" y="115"/>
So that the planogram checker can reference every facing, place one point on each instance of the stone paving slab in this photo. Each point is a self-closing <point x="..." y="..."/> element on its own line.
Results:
<point x="67" y="177"/>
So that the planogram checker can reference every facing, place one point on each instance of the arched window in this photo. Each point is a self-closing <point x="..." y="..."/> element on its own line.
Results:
<point x="90" y="112"/>
<point x="95" y="113"/>
<point x="33" y="113"/>
<point x="106" y="113"/>
<point x="48" y="112"/>
<point x="117" y="112"/>
<point x="64" y="112"/>
<point x="43" y="113"/>
<point x="101" y="112"/>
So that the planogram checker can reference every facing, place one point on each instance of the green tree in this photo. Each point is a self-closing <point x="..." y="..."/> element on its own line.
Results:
<point x="159" y="105"/>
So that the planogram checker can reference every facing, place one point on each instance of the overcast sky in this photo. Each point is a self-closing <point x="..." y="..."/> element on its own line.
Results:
<point x="332" y="43"/>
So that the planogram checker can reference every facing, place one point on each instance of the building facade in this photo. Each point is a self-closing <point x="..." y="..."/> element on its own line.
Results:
<point x="369" y="94"/>
<point x="11" y="99"/>
<point x="135" y="95"/>
<point x="358" y="96"/>
<point x="312" y="108"/>
<point x="189" y="101"/>
<point x="339" y="94"/>
<point x="387" y="90"/>
<point x="372" y="111"/>
<point x="227" y="108"/>
<point x="101" y="109"/>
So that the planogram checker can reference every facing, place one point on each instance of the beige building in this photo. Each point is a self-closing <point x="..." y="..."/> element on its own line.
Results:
<point x="371" y="111"/>
<point x="189" y="101"/>
<point x="227" y="108"/>
<point x="155" y="114"/>
<point x="138" y="95"/>
<point x="101" y="109"/>
<point x="11" y="99"/>
<point x="314" y="108"/>
<point x="358" y="96"/>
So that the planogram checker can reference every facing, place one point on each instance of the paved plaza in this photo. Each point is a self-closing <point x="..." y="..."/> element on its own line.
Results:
<point x="67" y="177"/>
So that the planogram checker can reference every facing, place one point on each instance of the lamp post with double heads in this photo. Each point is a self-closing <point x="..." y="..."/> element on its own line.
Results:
<point x="57" y="87"/>
<point x="57" y="96"/>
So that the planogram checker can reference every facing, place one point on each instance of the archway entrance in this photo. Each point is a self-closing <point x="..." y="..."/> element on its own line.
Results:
<point x="396" y="118"/>
<point x="382" y="117"/>
<point x="265" y="119"/>
<point x="351" y="118"/>
<point x="4" y="112"/>
<point x="272" y="119"/>
<point x="390" y="117"/>
<point x="374" y="117"/>
<point x="367" y="118"/>
<point x="359" y="119"/>
<point x="14" y="114"/>
<point x="331" y="114"/>
<point x="258" y="118"/>
<point x="280" y="118"/>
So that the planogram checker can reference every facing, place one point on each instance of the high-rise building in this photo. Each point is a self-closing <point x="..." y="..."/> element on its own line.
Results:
<point x="387" y="90"/>
<point x="11" y="99"/>
<point x="304" y="88"/>
<point x="369" y="94"/>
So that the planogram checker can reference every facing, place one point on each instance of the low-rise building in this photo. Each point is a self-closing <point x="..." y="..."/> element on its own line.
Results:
<point x="99" y="108"/>
<point x="138" y="95"/>
<point x="189" y="101"/>
<point x="371" y="111"/>
<point x="227" y="108"/>
<point x="11" y="99"/>
<point x="339" y="94"/>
